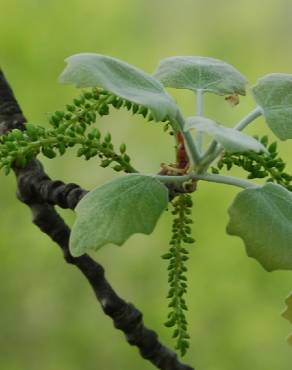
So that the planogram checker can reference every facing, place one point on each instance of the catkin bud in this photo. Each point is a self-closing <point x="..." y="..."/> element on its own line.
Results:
<point x="105" y="163"/>
<point x="118" y="168"/>
<point x="123" y="148"/>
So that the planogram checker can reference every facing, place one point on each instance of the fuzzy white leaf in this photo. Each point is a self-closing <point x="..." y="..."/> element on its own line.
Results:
<point x="121" y="79"/>
<point x="232" y="140"/>
<point x="201" y="73"/>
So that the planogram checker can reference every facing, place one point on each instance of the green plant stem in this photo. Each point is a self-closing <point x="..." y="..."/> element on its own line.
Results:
<point x="220" y="179"/>
<point x="215" y="149"/>
<point x="248" y="119"/>
<point x="200" y="112"/>
<point x="195" y="155"/>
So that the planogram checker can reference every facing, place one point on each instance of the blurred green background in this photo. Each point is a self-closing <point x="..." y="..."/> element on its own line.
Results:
<point x="49" y="318"/>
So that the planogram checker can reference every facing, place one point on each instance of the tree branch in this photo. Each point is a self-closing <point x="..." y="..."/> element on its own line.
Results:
<point x="40" y="193"/>
<point x="36" y="184"/>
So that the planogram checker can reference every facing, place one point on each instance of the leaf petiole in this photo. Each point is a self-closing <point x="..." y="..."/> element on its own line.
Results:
<point x="248" y="119"/>
<point x="200" y="112"/>
<point x="215" y="149"/>
<point x="220" y="179"/>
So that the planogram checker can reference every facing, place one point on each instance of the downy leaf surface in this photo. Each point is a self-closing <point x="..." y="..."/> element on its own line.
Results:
<point x="232" y="140"/>
<point x="201" y="73"/>
<point x="262" y="218"/>
<point x="273" y="93"/>
<point x="116" y="210"/>
<point x="122" y="80"/>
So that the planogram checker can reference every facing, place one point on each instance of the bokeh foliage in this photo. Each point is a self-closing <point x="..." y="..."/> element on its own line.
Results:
<point x="49" y="318"/>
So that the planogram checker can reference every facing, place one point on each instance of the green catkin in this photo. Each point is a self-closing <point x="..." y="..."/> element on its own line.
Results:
<point x="177" y="257"/>
<point x="267" y="166"/>
<point x="70" y="128"/>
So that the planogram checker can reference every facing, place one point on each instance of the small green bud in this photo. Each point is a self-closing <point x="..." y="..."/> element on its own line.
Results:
<point x="30" y="128"/>
<point x="60" y="138"/>
<point x="280" y="166"/>
<point x="143" y="110"/>
<point x="264" y="140"/>
<point x="117" y="103"/>
<point x="48" y="152"/>
<point x="70" y="108"/>
<point x="70" y="132"/>
<point x="92" y="116"/>
<point x="96" y="133"/>
<point x="214" y="170"/>
<point x="166" y="256"/>
<point x="7" y="169"/>
<point x="108" y="138"/>
<point x="228" y="163"/>
<point x="286" y="176"/>
<point x="273" y="147"/>
<point x="62" y="148"/>
<point x="77" y="102"/>
<point x="79" y="129"/>
<point x="11" y="145"/>
<point x="88" y="95"/>
<point x="111" y="99"/>
<point x="220" y="164"/>
<point x="59" y="114"/>
<point x="175" y="333"/>
<point x="103" y="110"/>
<point x="170" y="323"/>
<point x="261" y="174"/>
<point x="123" y="148"/>
<point x="126" y="158"/>
<point x="68" y="116"/>
<point x="170" y="293"/>
<point x="166" y="127"/>
<point x="80" y="152"/>
<point x="105" y="163"/>
<point x="16" y="134"/>
<point x="93" y="152"/>
<point x="117" y="168"/>
<point x="150" y="117"/>
<point x="135" y="108"/>
<point x="128" y="104"/>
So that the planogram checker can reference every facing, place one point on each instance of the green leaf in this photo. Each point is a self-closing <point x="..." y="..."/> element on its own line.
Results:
<point x="121" y="79"/>
<point x="273" y="93"/>
<point x="232" y="140"/>
<point x="200" y="73"/>
<point x="262" y="217"/>
<point x="116" y="210"/>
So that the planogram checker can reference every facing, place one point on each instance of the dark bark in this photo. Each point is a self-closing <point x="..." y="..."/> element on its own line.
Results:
<point x="40" y="193"/>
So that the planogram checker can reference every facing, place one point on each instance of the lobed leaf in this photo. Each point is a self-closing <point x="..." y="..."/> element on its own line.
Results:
<point x="232" y="140"/>
<point x="201" y="73"/>
<point x="262" y="217"/>
<point x="273" y="93"/>
<point x="121" y="79"/>
<point x="116" y="210"/>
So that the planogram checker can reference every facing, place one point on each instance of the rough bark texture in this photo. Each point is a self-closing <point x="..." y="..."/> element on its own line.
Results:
<point x="41" y="194"/>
